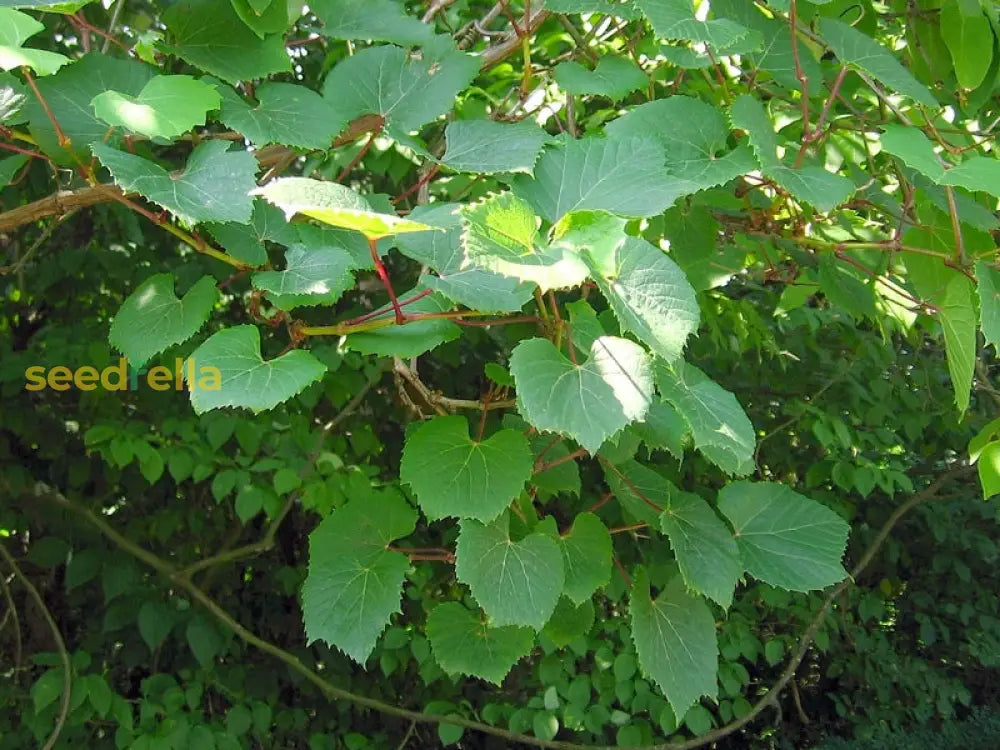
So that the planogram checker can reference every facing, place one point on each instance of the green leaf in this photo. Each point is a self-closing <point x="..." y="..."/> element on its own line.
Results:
<point x="917" y="151"/>
<point x="957" y="314"/>
<point x="620" y="175"/>
<point x="317" y="276"/>
<point x="463" y="643"/>
<point x="13" y="97"/>
<point x="488" y="147"/>
<point x="247" y="380"/>
<point x="614" y="77"/>
<point x="675" y="19"/>
<point x="10" y="166"/>
<point x="855" y="48"/>
<point x="15" y="28"/>
<point x="69" y="93"/>
<point x="967" y="34"/>
<point x="695" y="144"/>
<point x="155" y="621"/>
<point x="335" y="205"/>
<point x="663" y="428"/>
<point x="989" y="470"/>
<point x="642" y="491"/>
<point x="585" y="327"/>
<point x="285" y="113"/>
<point x="267" y="17"/>
<point x="785" y="539"/>
<point x="214" y="186"/>
<point x="453" y="475"/>
<point x="675" y="641"/>
<point x="619" y="8"/>
<point x="152" y="318"/>
<point x="167" y="106"/>
<point x="569" y="621"/>
<point x="443" y="253"/>
<point x="245" y="242"/>
<point x="413" y="338"/>
<point x="650" y="295"/>
<point x="989" y="302"/>
<point x="408" y="92"/>
<point x="589" y="402"/>
<point x="375" y="20"/>
<point x="210" y="35"/>
<point x="516" y="583"/>
<point x="586" y="551"/>
<point x="703" y="546"/>
<point x="354" y="581"/>
<point x="721" y="430"/>
<point x="812" y="185"/>
<point x="501" y="235"/>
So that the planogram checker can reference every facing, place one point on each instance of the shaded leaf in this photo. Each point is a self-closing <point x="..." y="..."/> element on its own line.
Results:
<point x="464" y="644"/>
<point x="488" y="147"/>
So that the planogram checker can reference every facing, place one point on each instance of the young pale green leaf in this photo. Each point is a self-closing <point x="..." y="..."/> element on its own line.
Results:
<point x="215" y="184"/>
<point x="516" y="583"/>
<point x="152" y="318"/>
<point x="246" y="379"/>
<point x="721" y="430"/>
<point x="13" y="97"/>
<point x="375" y="20"/>
<point x="623" y="176"/>
<point x="703" y="546"/>
<point x="286" y="113"/>
<point x="407" y="92"/>
<point x="812" y="185"/>
<point x="454" y="475"/>
<point x="969" y="37"/>
<point x="443" y="252"/>
<point x="488" y="147"/>
<point x="586" y="551"/>
<point x="211" y="36"/>
<point x="785" y="539"/>
<point x="413" y="338"/>
<point x="852" y="47"/>
<point x="650" y="295"/>
<point x="917" y="151"/>
<point x="957" y="314"/>
<point x="15" y="28"/>
<point x="589" y="402"/>
<point x="614" y="77"/>
<point x="988" y="277"/>
<point x="676" y="20"/>
<point x="334" y="204"/>
<point x="68" y="94"/>
<point x="167" y="106"/>
<point x="501" y="235"/>
<point x="311" y="277"/>
<point x="354" y="582"/>
<point x="675" y="641"/>
<point x="694" y="144"/>
<point x="463" y="643"/>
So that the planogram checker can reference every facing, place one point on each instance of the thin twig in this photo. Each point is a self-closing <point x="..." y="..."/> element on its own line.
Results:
<point x="60" y="646"/>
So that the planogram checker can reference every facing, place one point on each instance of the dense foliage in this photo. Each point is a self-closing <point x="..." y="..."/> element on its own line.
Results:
<point x="566" y="373"/>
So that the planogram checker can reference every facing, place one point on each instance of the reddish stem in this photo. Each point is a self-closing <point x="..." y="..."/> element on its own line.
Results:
<point x="26" y="152"/>
<point x="60" y="135"/>
<point x="384" y="278"/>
<point x="638" y="493"/>
<point x="498" y="321"/>
<point x="632" y="527"/>
<point x="381" y="310"/>
<point x="605" y="499"/>
<point x="361" y="154"/>
<point x="431" y="173"/>
<point x="580" y="453"/>
<point x="621" y="569"/>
